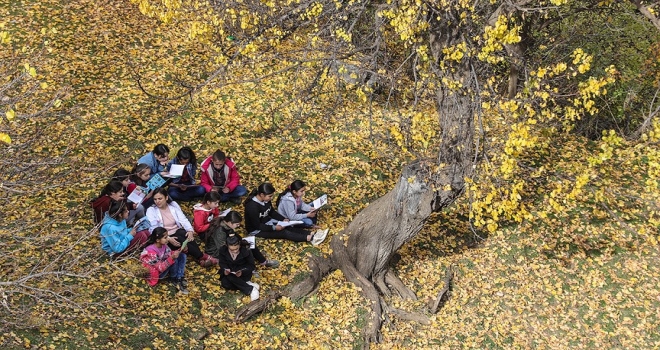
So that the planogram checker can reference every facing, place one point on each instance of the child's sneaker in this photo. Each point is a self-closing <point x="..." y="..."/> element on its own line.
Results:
<point x="182" y="288"/>
<point x="319" y="237"/>
<point x="208" y="261"/>
<point x="255" y="285"/>
<point x="254" y="295"/>
<point x="271" y="263"/>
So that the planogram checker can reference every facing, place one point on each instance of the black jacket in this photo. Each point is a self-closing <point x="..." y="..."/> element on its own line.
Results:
<point x="257" y="215"/>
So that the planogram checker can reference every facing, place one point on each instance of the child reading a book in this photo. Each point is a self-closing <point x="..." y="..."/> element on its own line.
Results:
<point x="116" y="237"/>
<point x="140" y="174"/>
<point x="290" y="204"/>
<point x="262" y="221"/>
<point x="136" y="210"/>
<point x="162" y="261"/>
<point x="205" y="214"/>
<point x="183" y="188"/>
<point x="167" y="213"/>
<point x="223" y="228"/>
<point x="219" y="174"/>
<point x="236" y="267"/>
<point x="156" y="160"/>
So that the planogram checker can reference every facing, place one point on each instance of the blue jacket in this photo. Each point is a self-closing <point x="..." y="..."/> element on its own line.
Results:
<point x="153" y="163"/>
<point x="115" y="236"/>
<point x="190" y="168"/>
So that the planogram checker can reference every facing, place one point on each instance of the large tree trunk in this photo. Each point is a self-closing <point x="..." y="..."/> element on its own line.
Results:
<point x="364" y="251"/>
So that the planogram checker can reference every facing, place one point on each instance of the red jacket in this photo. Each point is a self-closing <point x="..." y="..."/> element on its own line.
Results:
<point x="232" y="179"/>
<point x="101" y="205"/>
<point x="202" y="218"/>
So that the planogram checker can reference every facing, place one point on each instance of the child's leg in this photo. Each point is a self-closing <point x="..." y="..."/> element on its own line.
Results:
<point x="179" y="266"/>
<point x="256" y="253"/>
<point x="231" y="282"/>
<point x="239" y="191"/>
<point x="287" y="233"/>
<point x="307" y="222"/>
<point x="170" y="272"/>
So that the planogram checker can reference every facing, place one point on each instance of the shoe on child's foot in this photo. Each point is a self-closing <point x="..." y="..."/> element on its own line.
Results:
<point x="254" y="285"/>
<point x="208" y="261"/>
<point x="254" y="295"/>
<point x="255" y="274"/>
<point x="271" y="263"/>
<point x="184" y="282"/>
<point x="182" y="289"/>
<point x="319" y="237"/>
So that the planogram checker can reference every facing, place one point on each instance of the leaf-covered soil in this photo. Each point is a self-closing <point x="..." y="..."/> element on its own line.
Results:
<point x="513" y="289"/>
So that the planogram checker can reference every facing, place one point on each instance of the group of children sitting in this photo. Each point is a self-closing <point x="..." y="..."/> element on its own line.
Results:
<point x="166" y="235"/>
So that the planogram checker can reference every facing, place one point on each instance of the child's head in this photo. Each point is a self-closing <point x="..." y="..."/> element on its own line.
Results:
<point x="158" y="235"/>
<point x="122" y="175"/>
<point x="141" y="174"/>
<point x="233" y="243"/>
<point x="161" y="152"/>
<point x="118" y="210"/>
<point x="211" y="199"/>
<point x="297" y="189"/>
<point x="265" y="192"/>
<point x="218" y="159"/>
<point x="186" y="156"/>
<point x="114" y="189"/>
<point x="233" y="219"/>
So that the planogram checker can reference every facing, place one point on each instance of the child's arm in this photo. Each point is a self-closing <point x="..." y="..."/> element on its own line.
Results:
<point x="200" y="221"/>
<point x="118" y="240"/>
<point x="288" y="210"/>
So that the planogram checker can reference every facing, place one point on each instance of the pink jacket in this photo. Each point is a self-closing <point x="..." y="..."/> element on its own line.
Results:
<point x="157" y="261"/>
<point x="232" y="179"/>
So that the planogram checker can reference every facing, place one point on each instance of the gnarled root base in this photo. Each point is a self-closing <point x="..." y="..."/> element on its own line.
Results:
<point x="386" y="283"/>
<point x="319" y="268"/>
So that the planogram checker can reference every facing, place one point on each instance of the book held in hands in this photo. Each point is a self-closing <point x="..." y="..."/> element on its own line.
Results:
<point x="319" y="202"/>
<point x="176" y="170"/>
<point x="289" y="223"/>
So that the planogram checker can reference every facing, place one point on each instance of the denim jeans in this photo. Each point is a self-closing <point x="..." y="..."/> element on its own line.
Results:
<point x="191" y="193"/>
<point x="239" y="191"/>
<point x="175" y="270"/>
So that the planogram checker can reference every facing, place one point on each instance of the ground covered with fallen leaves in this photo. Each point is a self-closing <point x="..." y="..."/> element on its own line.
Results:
<point x="510" y="289"/>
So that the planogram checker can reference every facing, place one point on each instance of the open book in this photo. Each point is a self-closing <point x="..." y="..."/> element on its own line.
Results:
<point x="138" y="194"/>
<point x="251" y="240"/>
<point x="142" y="224"/>
<point x="176" y="170"/>
<point x="289" y="223"/>
<point x="224" y="213"/>
<point x="319" y="202"/>
<point x="155" y="182"/>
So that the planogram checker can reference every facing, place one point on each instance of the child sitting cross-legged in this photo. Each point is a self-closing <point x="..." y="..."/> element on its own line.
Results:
<point x="162" y="262"/>
<point x="236" y="267"/>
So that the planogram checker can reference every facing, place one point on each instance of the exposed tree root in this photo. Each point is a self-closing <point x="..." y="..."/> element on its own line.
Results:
<point x="319" y="268"/>
<point x="443" y="296"/>
<point x="341" y="259"/>
<point x="395" y="282"/>
<point x="410" y="316"/>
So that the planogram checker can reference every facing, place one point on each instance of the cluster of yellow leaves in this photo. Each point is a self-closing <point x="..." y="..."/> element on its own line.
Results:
<point x="494" y="38"/>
